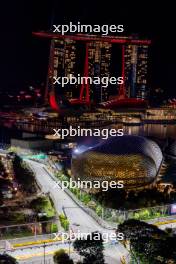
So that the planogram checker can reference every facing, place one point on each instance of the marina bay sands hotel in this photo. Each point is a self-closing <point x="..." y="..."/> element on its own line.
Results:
<point x="93" y="55"/>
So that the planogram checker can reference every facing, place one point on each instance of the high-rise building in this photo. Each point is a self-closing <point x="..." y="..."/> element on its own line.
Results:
<point x="97" y="56"/>
<point x="136" y="64"/>
<point x="64" y="59"/>
<point x="99" y="66"/>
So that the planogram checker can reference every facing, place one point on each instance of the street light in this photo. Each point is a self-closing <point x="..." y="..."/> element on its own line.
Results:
<point x="44" y="246"/>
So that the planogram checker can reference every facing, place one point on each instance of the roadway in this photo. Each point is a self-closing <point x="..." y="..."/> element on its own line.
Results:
<point x="36" y="254"/>
<point x="61" y="200"/>
<point x="79" y="220"/>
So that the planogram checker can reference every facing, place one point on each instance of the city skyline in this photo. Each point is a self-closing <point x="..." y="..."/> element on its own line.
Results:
<point x="87" y="133"/>
<point x="31" y="70"/>
<point x="93" y="56"/>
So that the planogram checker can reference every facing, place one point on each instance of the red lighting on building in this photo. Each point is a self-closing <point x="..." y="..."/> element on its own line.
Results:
<point x="84" y="96"/>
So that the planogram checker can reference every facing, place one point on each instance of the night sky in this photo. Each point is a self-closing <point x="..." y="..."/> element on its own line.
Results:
<point x="24" y="58"/>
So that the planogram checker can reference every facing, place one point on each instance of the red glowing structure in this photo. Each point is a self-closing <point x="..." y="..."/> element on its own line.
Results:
<point x="84" y="86"/>
<point x="121" y="100"/>
<point x="57" y="101"/>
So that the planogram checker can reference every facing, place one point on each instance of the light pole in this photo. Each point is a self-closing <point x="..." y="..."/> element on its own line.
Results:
<point x="44" y="246"/>
<point x="69" y="243"/>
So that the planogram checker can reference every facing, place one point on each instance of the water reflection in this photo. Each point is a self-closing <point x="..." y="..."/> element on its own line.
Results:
<point x="154" y="130"/>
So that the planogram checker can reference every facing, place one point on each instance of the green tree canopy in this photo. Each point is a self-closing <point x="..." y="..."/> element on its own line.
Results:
<point x="91" y="248"/>
<point x="6" y="259"/>
<point x="148" y="242"/>
<point x="39" y="203"/>
<point x="24" y="175"/>
<point x="61" y="257"/>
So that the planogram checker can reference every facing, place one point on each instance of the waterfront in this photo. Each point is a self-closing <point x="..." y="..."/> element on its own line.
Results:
<point x="155" y="130"/>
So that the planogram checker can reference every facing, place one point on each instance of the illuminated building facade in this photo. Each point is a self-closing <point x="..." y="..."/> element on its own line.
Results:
<point x="99" y="66"/>
<point x="98" y="56"/>
<point x="136" y="70"/>
<point x="63" y="59"/>
<point x="134" y="160"/>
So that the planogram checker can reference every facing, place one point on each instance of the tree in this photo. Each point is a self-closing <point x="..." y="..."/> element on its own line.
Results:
<point x="24" y="175"/>
<point x="91" y="248"/>
<point x="148" y="243"/>
<point x="64" y="222"/>
<point x="6" y="259"/>
<point x="61" y="257"/>
<point x="39" y="203"/>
